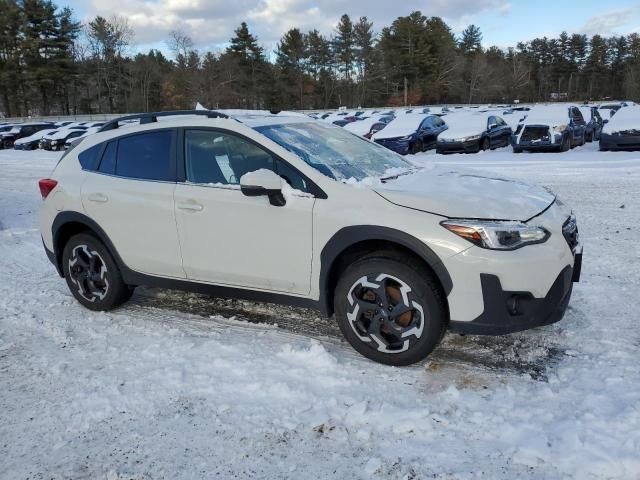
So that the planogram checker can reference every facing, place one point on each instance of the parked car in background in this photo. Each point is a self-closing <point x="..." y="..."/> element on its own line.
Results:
<point x="32" y="142"/>
<point x="21" y="130"/>
<point x="369" y="125"/>
<point x="57" y="140"/>
<point x="470" y="132"/>
<point x="77" y="139"/>
<point x="622" y="131"/>
<point x="594" y="122"/>
<point x="411" y="133"/>
<point x="551" y="128"/>
<point x="609" y="110"/>
<point x="5" y="127"/>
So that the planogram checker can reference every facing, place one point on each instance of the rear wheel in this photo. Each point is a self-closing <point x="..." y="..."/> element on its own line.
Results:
<point x="389" y="311"/>
<point x="92" y="275"/>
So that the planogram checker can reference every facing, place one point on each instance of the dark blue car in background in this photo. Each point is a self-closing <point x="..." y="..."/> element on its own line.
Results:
<point x="411" y="133"/>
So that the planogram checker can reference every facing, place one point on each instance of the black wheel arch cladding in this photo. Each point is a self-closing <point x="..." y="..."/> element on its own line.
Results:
<point x="352" y="235"/>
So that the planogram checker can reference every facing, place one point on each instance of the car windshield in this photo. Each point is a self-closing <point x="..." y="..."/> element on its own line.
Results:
<point x="335" y="152"/>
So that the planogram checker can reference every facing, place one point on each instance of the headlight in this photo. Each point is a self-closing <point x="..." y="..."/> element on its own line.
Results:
<point x="496" y="235"/>
<point x="405" y="139"/>
<point x="471" y="138"/>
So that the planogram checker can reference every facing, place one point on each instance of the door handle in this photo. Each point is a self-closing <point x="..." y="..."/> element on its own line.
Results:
<point x="98" y="197"/>
<point x="191" y="206"/>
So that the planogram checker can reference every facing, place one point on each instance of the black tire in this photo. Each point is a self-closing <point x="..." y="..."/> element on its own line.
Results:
<point x="416" y="147"/>
<point x="377" y="333"/>
<point x="517" y="150"/>
<point x="485" y="144"/>
<point x="92" y="275"/>
<point x="588" y="137"/>
<point x="566" y="144"/>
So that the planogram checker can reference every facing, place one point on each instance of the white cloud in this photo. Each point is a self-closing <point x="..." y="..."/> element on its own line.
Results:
<point x="608" y="23"/>
<point x="211" y="22"/>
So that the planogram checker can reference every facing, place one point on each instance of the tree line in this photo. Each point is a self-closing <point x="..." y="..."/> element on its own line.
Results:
<point x="52" y="64"/>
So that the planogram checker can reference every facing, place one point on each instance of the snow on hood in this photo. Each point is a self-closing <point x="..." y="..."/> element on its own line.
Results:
<point x="466" y="195"/>
<point x="465" y="124"/>
<point x="401" y="126"/>
<point x="551" y="115"/>
<point x="627" y="118"/>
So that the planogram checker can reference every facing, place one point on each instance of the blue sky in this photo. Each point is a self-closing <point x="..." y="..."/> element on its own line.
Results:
<point x="503" y="22"/>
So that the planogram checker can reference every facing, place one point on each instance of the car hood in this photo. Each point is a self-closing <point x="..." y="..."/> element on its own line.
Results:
<point x="466" y="195"/>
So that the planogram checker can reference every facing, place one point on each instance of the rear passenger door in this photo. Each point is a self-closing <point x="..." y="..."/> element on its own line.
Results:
<point x="129" y="193"/>
<point x="229" y="238"/>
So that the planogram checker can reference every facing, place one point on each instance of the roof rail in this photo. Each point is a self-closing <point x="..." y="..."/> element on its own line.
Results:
<point x="152" y="117"/>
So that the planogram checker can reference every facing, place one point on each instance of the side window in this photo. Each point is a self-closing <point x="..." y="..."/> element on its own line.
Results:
<point x="500" y="122"/>
<point x="213" y="157"/>
<point x="577" y="116"/>
<point x="108" y="162"/>
<point x="89" y="158"/>
<point x="146" y="156"/>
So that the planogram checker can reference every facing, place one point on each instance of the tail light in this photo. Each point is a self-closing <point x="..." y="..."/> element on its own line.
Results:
<point x="46" y="185"/>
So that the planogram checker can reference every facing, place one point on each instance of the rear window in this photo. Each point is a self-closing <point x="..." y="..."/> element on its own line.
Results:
<point x="145" y="156"/>
<point x="108" y="162"/>
<point x="89" y="158"/>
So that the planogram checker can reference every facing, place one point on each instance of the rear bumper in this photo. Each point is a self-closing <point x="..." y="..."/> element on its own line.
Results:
<point x="52" y="258"/>
<point x="512" y="311"/>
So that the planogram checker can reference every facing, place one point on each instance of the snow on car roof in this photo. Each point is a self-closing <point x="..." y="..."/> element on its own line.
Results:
<point x="401" y="126"/>
<point x="465" y="124"/>
<point x="36" y="136"/>
<point x="548" y="115"/>
<point x="360" y="127"/>
<point x="627" y="118"/>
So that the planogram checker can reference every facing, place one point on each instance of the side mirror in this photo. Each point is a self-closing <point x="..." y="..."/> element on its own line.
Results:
<point x="492" y="126"/>
<point x="263" y="182"/>
<point x="605" y="120"/>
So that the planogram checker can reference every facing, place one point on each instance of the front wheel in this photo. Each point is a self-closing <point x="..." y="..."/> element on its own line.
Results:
<point x="416" y="147"/>
<point x="92" y="275"/>
<point x="485" y="144"/>
<point x="389" y="311"/>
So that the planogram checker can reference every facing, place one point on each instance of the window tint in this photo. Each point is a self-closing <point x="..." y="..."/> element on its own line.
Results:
<point x="89" y="158"/>
<point x="219" y="158"/>
<point x="145" y="156"/>
<point x="108" y="163"/>
<point x="577" y="115"/>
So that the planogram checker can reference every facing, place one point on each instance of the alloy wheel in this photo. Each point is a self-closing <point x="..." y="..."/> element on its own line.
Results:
<point x="383" y="313"/>
<point x="88" y="272"/>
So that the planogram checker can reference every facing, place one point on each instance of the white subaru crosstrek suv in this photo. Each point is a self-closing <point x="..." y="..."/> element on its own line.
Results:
<point x="287" y="209"/>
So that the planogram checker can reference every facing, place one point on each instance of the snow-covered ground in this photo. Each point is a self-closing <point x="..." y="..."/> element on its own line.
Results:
<point x="175" y="385"/>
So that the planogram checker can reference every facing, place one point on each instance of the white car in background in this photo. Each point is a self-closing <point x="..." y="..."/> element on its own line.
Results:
<point x="472" y="132"/>
<point x="286" y="209"/>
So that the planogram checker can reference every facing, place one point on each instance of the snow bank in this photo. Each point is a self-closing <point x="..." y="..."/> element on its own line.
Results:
<point x="401" y="126"/>
<point x="627" y="118"/>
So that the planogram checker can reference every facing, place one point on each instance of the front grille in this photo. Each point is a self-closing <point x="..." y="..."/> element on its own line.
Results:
<point x="570" y="232"/>
<point x="532" y="134"/>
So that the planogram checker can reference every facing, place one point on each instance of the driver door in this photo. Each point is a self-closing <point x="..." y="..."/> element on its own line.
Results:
<point x="228" y="238"/>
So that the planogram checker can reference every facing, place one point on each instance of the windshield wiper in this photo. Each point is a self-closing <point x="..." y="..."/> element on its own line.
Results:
<point x="401" y="174"/>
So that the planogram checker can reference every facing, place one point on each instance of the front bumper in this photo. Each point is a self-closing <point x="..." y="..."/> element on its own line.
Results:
<point x="399" y="146"/>
<point x="454" y="146"/>
<point x="537" y="276"/>
<point x="619" y="142"/>
<point x="512" y="311"/>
